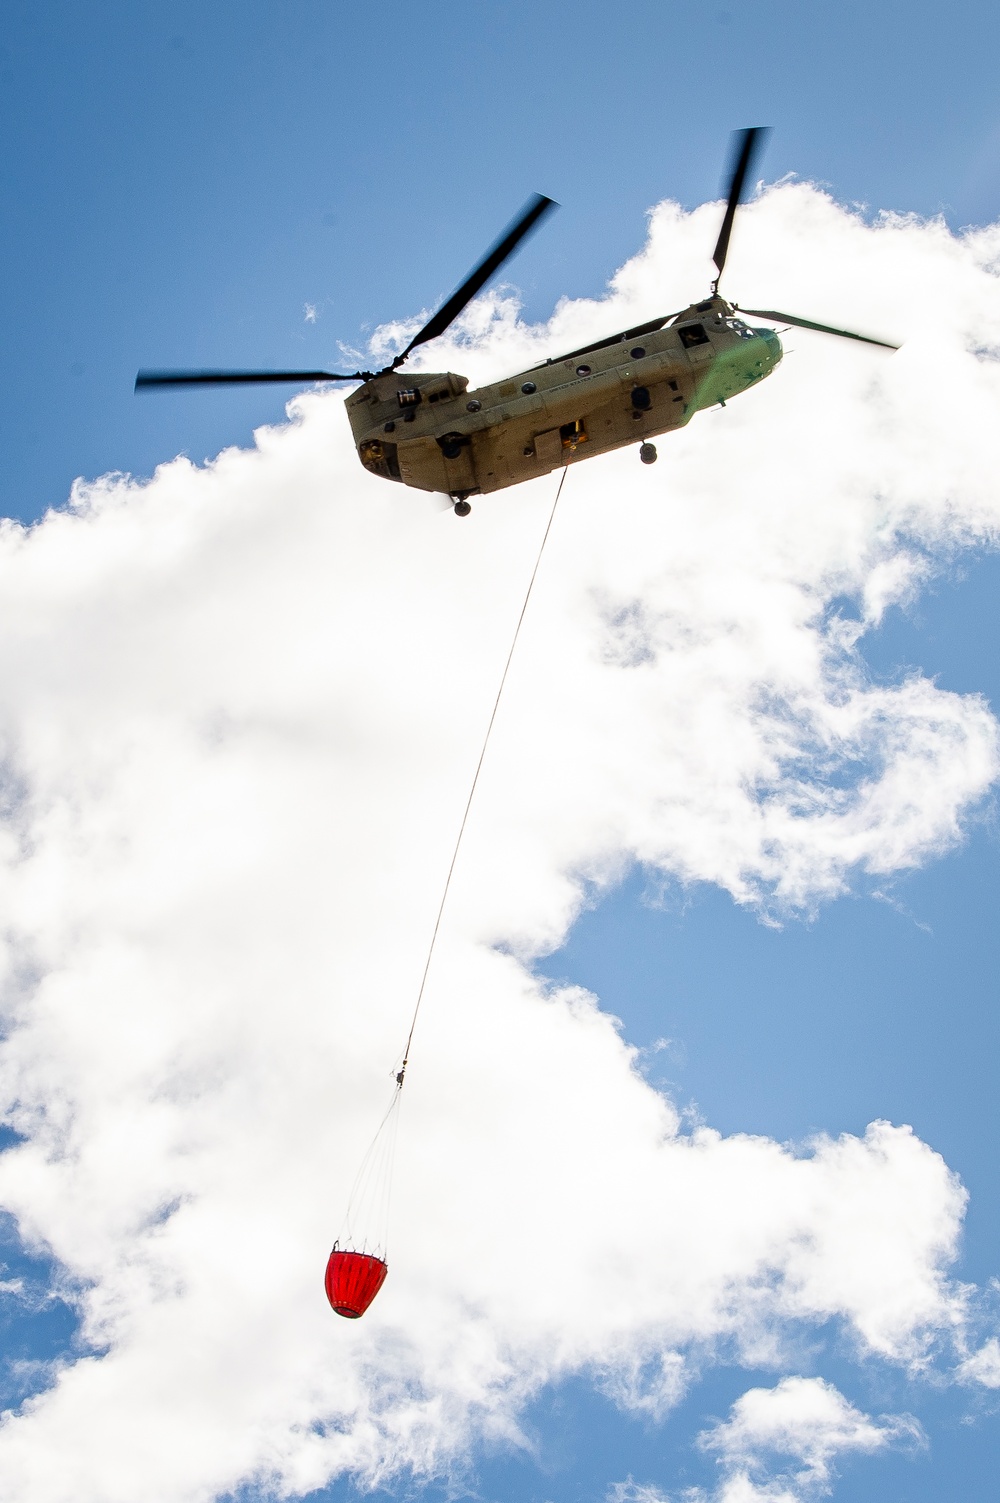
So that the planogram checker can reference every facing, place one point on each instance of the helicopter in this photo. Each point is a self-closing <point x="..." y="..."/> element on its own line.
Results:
<point x="430" y="431"/>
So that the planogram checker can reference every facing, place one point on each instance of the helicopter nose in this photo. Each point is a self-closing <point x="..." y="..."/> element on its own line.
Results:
<point x="773" y="343"/>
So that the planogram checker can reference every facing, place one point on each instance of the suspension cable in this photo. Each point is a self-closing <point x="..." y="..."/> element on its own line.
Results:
<point x="475" y="780"/>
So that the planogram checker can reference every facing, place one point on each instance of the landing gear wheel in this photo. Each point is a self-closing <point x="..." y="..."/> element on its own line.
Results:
<point x="462" y="508"/>
<point x="647" y="453"/>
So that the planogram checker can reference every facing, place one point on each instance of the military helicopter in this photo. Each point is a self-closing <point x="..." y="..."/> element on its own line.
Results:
<point x="429" y="431"/>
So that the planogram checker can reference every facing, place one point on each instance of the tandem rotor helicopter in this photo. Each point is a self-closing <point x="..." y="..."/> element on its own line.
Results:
<point x="429" y="431"/>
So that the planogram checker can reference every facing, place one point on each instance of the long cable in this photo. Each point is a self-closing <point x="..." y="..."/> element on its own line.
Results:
<point x="373" y="1181"/>
<point x="475" y="780"/>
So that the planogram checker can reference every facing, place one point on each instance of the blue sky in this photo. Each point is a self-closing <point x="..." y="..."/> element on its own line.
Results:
<point x="181" y="188"/>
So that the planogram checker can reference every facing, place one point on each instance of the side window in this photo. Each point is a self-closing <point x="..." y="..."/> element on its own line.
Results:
<point x="693" y="334"/>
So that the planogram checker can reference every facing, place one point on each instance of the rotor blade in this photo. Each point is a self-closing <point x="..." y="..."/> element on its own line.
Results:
<point x="236" y="378"/>
<point x="746" y="144"/>
<point x="807" y="323"/>
<point x="537" y="206"/>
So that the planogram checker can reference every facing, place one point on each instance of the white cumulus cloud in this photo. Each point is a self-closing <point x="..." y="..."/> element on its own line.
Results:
<point x="780" y="1445"/>
<point x="983" y="1365"/>
<point x="807" y="1420"/>
<point x="239" y="710"/>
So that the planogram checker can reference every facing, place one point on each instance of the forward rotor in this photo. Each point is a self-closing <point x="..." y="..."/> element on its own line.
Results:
<point x="808" y="323"/>
<point x="746" y="146"/>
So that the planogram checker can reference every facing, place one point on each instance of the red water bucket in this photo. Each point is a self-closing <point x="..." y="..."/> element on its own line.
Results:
<point x="352" y="1281"/>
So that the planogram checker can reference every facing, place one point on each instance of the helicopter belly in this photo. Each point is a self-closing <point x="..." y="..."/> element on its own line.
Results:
<point x="517" y="451"/>
<point x="618" y="424"/>
<point x="534" y="445"/>
<point x="430" y="464"/>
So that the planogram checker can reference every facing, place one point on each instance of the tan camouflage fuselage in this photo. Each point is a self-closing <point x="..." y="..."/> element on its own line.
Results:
<point x="431" y="432"/>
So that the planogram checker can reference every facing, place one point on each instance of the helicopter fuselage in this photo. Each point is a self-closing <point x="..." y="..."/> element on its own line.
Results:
<point x="430" y="431"/>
